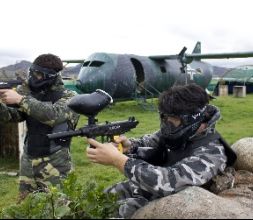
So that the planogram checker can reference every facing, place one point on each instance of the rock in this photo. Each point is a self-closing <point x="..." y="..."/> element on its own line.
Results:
<point x="244" y="151"/>
<point x="198" y="203"/>
<point x="242" y="187"/>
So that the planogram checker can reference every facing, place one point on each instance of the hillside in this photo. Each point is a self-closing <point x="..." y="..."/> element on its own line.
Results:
<point x="219" y="71"/>
<point x="10" y="72"/>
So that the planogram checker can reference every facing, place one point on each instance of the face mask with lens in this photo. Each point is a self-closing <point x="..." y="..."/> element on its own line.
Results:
<point x="167" y="125"/>
<point x="37" y="75"/>
<point x="41" y="78"/>
<point x="189" y="124"/>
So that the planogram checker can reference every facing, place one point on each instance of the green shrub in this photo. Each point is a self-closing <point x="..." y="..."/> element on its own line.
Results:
<point x="72" y="200"/>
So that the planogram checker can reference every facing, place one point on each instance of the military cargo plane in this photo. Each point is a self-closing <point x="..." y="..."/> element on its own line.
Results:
<point x="126" y="76"/>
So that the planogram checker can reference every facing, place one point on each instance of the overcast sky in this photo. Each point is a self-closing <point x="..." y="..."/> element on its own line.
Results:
<point x="73" y="29"/>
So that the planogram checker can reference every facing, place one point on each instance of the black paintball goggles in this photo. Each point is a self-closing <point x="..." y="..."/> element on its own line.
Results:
<point x="45" y="73"/>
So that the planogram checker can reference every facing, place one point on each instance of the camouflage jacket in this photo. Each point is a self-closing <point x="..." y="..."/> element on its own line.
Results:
<point x="45" y="112"/>
<point x="204" y="162"/>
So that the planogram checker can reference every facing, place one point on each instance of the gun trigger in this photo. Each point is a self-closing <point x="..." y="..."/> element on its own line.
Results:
<point x="120" y="147"/>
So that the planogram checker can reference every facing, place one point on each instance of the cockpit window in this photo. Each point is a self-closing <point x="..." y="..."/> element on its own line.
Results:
<point x="96" y="63"/>
<point x="86" y="63"/>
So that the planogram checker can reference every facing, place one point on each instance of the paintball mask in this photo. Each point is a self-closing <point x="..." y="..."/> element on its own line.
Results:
<point x="189" y="124"/>
<point x="41" y="78"/>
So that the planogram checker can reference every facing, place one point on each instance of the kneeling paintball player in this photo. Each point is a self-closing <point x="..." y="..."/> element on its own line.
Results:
<point x="186" y="151"/>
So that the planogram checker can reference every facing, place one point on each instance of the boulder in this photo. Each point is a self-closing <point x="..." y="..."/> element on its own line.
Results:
<point x="198" y="203"/>
<point x="244" y="151"/>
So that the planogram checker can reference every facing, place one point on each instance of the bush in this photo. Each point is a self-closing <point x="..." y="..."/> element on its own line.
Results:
<point x="71" y="200"/>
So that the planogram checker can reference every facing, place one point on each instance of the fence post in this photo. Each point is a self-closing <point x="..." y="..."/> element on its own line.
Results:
<point x="223" y="90"/>
<point x="12" y="139"/>
<point x="239" y="91"/>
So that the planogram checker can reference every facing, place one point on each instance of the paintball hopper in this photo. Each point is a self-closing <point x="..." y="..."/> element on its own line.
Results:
<point x="90" y="104"/>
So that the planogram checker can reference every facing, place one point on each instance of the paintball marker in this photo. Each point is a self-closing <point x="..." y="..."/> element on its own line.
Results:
<point x="90" y="105"/>
<point x="10" y="84"/>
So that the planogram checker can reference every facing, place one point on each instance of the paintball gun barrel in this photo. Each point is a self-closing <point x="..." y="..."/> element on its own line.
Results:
<point x="10" y="84"/>
<point x="90" y="105"/>
<point x="108" y="129"/>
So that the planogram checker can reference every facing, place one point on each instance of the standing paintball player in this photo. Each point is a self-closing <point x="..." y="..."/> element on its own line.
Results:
<point x="42" y="103"/>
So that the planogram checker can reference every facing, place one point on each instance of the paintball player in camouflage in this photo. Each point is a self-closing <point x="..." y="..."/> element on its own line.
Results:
<point x="42" y="103"/>
<point x="186" y="151"/>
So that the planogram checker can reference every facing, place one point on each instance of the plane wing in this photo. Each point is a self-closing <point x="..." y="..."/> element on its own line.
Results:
<point x="188" y="58"/>
<point x="73" y="61"/>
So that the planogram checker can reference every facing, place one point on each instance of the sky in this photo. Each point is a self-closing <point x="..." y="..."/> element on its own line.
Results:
<point x="74" y="29"/>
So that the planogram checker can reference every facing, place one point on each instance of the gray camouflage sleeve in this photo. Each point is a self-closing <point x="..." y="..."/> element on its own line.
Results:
<point x="147" y="141"/>
<point x="49" y="113"/>
<point x="202" y="166"/>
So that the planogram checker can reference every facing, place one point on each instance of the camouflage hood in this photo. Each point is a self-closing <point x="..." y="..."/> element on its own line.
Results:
<point x="58" y="86"/>
<point x="212" y="116"/>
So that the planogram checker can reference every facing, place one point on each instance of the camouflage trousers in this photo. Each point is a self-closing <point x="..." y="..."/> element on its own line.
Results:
<point x="37" y="173"/>
<point x="131" y="198"/>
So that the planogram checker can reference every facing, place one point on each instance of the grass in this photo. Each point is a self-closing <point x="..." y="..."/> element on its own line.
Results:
<point x="235" y="124"/>
<point x="237" y="114"/>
